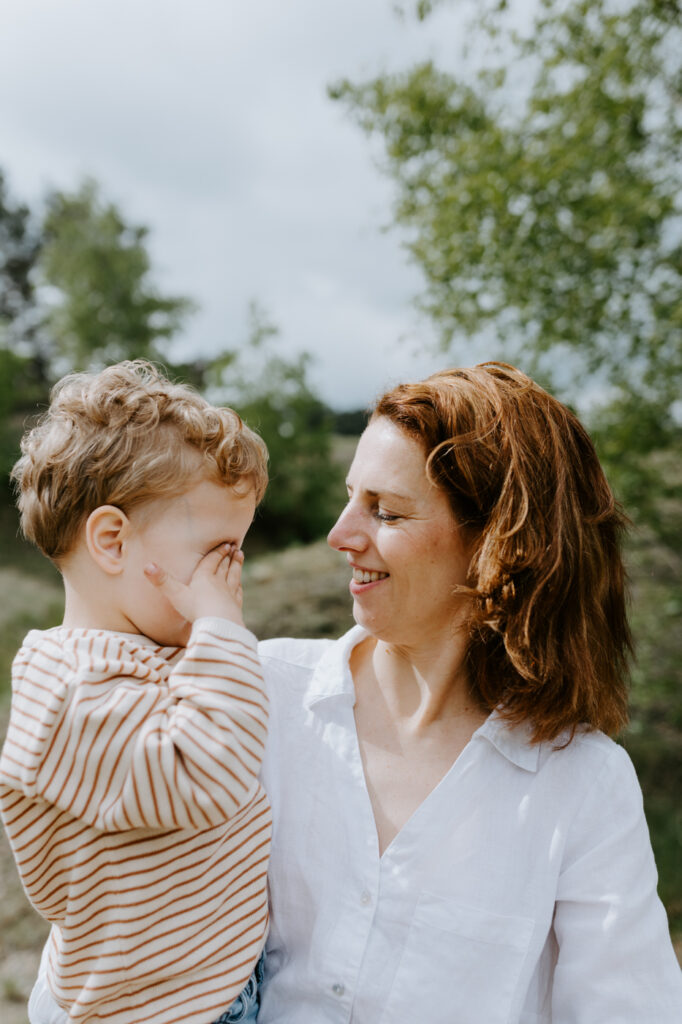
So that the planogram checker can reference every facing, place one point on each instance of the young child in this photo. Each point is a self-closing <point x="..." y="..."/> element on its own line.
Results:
<point x="129" y="777"/>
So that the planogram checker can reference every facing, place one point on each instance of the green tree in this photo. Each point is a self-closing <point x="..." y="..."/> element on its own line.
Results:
<point x="274" y="396"/>
<point x="105" y="305"/>
<point x="23" y="371"/>
<point x="549" y="215"/>
<point x="20" y="242"/>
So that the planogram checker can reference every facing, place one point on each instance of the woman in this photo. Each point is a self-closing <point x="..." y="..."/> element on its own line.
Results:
<point x="456" y="839"/>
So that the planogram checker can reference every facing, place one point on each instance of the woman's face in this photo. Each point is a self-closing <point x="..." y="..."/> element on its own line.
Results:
<point x="404" y="545"/>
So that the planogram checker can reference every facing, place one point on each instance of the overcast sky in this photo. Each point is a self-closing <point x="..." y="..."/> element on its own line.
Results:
<point x="209" y="122"/>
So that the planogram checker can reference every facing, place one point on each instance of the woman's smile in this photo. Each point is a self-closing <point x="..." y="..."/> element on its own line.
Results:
<point x="365" y="578"/>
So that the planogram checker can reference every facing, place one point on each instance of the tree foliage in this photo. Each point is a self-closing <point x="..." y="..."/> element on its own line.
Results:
<point x="20" y="243"/>
<point x="550" y="214"/>
<point x="22" y="364"/>
<point x="274" y="396"/>
<point x="105" y="306"/>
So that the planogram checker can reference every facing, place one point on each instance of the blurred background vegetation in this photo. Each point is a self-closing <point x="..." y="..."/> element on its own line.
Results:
<point x="550" y="227"/>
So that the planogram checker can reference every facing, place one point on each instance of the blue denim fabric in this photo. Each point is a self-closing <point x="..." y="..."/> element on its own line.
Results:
<point x="245" y="1007"/>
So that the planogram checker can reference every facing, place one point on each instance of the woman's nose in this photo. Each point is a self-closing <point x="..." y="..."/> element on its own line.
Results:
<point x="347" y="534"/>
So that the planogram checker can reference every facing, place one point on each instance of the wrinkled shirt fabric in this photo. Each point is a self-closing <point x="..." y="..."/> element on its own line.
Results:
<point x="521" y="891"/>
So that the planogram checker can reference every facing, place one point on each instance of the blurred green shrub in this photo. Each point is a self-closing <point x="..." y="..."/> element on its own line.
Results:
<point x="273" y="394"/>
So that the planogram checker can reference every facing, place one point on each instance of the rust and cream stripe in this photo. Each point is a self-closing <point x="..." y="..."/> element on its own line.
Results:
<point x="129" y="792"/>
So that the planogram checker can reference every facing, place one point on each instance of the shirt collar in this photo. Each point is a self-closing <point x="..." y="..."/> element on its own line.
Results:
<point x="513" y="742"/>
<point x="332" y="678"/>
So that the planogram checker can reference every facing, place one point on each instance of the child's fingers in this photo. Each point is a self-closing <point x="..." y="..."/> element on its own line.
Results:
<point x="234" y="570"/>
<point x="155" y="574"/>
<point x="228" y="562"/>
<point x="171" y="587"/>
<point x="212" y="562"/>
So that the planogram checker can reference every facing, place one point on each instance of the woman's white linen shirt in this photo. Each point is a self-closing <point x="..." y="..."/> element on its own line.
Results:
<point x="521" y="891"/>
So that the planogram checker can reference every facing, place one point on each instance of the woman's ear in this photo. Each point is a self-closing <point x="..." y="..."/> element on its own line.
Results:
<point x="106" y="531"/>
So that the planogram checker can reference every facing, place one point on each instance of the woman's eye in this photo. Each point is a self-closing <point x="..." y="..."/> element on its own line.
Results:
<point x="385" y="517"/>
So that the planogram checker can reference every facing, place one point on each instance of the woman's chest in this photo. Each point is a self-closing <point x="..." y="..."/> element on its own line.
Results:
<point x="444" y="822"/>
<point x="400" y="774"/>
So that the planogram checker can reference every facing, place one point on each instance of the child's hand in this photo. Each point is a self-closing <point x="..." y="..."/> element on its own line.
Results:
<point x="215" y="588"/>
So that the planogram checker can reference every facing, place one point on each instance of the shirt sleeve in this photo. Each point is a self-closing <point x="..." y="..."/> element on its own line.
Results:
<point x="615" y="961"/>
<point x="122" y="748"/>
<point x="42" y="1007"/>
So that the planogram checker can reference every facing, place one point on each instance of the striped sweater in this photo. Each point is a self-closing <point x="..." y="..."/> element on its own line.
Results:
<point x="129" y="792"/>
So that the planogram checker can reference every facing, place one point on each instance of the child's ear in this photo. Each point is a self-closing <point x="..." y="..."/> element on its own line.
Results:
<point x="106" y="531"/>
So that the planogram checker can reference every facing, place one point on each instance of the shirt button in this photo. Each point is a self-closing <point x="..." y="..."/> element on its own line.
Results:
<point x="365" y="897"/>
<point x="338" y="989"/>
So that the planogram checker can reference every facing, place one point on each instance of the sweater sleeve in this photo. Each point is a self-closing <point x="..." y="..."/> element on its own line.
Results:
<point x="615" y="960"/>
<point x="113" y="742"/>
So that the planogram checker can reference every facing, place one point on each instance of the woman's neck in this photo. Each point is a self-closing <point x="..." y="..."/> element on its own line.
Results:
<point x="414" y="717"/>
<point x="422" y="685"/>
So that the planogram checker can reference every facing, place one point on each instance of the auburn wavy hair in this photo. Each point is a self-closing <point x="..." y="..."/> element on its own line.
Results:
<point x="121" y="437"/>
<point x="548" y="636"/>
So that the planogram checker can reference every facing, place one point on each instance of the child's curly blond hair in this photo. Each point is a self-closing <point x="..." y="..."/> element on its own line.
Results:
<point x="122" y="437"/>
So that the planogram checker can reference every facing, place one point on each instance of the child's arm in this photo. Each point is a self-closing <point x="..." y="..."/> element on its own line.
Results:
<point x="120" y="747"/>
